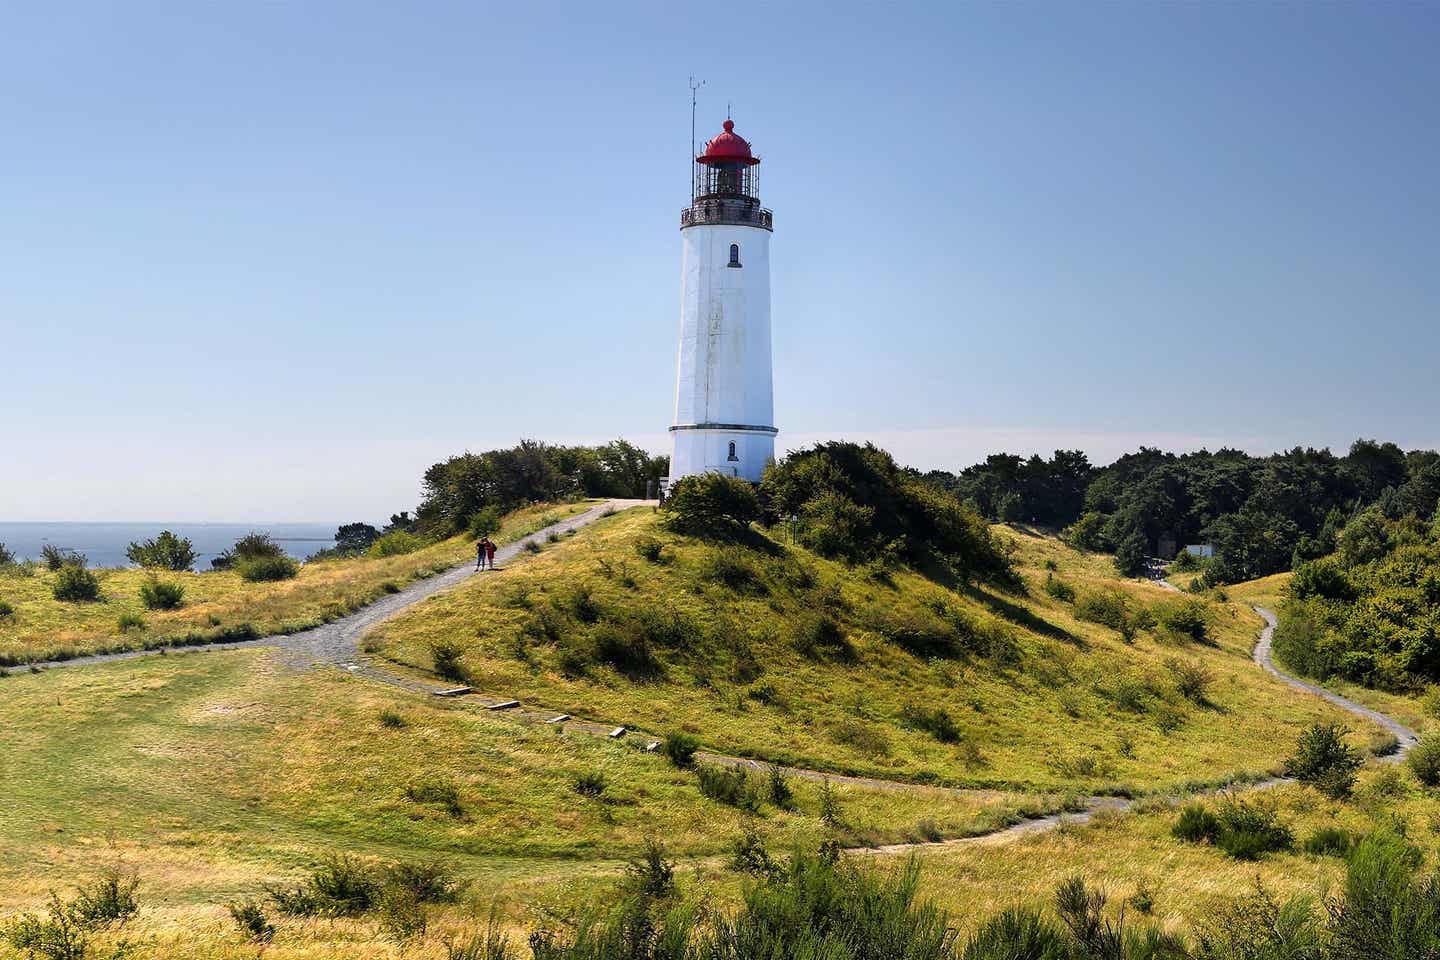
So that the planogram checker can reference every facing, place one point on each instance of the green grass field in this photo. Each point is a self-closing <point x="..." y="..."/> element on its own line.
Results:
<point x="43" y="628"/>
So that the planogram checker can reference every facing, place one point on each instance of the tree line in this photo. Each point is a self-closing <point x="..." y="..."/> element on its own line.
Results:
<point x="1263" y="515"/>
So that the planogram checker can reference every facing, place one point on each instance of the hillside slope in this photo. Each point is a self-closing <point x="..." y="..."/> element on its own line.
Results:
<point x="763" y="649"/>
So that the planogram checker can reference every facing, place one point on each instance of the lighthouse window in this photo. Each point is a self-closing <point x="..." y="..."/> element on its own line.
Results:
<point x="734" y="255"/>
<point x="732" y="442"/>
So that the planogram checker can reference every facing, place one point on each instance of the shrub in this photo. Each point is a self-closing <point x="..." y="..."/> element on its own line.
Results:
<point x="820" y="635"/>
<point x="440" y="791"/>
<point x="1059" y="589"/>
<point x="650" y="549"/>
<point x="62" y="935"/>
<point x="580" y="604"/>
<point x="402" y="916"/>
<point x="485" y="523"/>
<point x="748" y="855"/>
<point x="831" y="813"/>
<point x="6" y="610"/>
<point x="777" y="787"/>
<point x="1196" y="824"/>
<point x="1016" y="934"/>
<point x="1323" y="760"/>
<point x="1192" y="678"/>
<point x="7" y="556"/>
<point x="110" y="899"/>
<point x="1106" y="607"/>
<point x="625" y="647"/>
<point x="733" y="571"/>
<point x="1185" y="619"/>
<point x="1424" y="760"/>
<point x="711" y="505"/>
<point x="392" y="720"/>
<point x="343" y="886"/>
<point x="446" y="656"/>
<point x="1250" y="829"/>
<point x="129" y="621"/>
<point x="937" y="722"/>
<point x="57" y="558"/>
<point x="75" y="584"/>
<point x="161" y="594"/>
<point x="650" y="874"/>
<point x="590" y="783"/>
<point x="728" y="785"/>
<point x="167" y="552"/>
<point x="267" y="569"/>
<point x="1329" y="842"/>
<point x="396" y="543"/>
<point x="428" y="881"/>
<point x="249" y="916"/>
<point x="680" y="748"/>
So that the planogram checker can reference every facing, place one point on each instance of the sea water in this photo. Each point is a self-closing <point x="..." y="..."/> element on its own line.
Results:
<point x="104" y="543"/>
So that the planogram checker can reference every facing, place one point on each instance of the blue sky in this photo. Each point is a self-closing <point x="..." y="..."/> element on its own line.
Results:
<point x="267" y="262"/>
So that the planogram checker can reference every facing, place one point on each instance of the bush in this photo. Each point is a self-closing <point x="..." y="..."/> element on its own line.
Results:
<point x="680" y="748"/>
<point x="1196" y="824"/>
<point x="427" y="881"/>
<point x="396" y="543"/>
<point x="249" y="916"/>
<point x="161" y="594"/>
<point x="937" y="722"/>
<point x="1059" y="589"/>
<point x="728" y="785"/>
<point x="129" y="621"/>
<point x="650" y="875"/>
<point x="590" y="783"/>
<point x="1329" y="842"/>
<point x="343" y="886"/>
<point x="485" y="523"/>
<point x="1185" y="619"/>
<point x="439" y="791"/>
<point x="650" y="549"/>
<point x="402" y="916"/>
<point x="6" y="610"/>
<point x="777" y="787"/>
<point x="625" y="646"/>
<point x="748" y="855"/>
<point x="57" y="558"/>
<point x="711" y="505"/>
<point x="1016" y="934"/>
<point x="60" y="936"/>
<point x="733" y="571"/>
<point x="110" y="899"/>
<point x="1192" y="678"/>
<point x="392" y="720"/>
<point x="1424" y="760"/>
<point x="820" y="635"/>
<point x="75" y="584"/>
<point x="267" y="569"/>
<point x="167" y="552"/>
<point x="7" y="556"/>
<point x="1323" y="760"/>
<point x="1106" y="607"/>
<point x="1250" y="830"/>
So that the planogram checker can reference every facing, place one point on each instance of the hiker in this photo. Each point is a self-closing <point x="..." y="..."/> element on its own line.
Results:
<point x="489" y="549"/>
<point x="480" y="554"/>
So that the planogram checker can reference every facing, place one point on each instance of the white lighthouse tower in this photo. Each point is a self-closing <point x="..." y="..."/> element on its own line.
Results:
<point x="724" y="405"/>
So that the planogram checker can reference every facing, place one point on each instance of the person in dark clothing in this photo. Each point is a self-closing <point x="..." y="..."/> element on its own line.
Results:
<point x="480" y="554"/>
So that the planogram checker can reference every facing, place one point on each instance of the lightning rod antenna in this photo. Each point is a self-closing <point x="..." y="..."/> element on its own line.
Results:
<point x="690" y="167"/>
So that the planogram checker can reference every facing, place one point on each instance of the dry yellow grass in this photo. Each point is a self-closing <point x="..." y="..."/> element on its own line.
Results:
<point x="43" y="628"/>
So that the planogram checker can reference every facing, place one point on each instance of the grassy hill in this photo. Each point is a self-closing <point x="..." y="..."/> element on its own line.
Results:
<point x="764" y="649"/>
<point x="213" y="774"/>
<point x="219" y="604"/>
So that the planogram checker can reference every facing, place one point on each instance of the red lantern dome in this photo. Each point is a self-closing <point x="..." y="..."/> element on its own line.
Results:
<point x="729" y="147"/>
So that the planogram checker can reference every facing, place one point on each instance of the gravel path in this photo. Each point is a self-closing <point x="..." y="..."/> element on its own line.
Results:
<point x="336" y="642"/>
<point x="1404" y="736"/>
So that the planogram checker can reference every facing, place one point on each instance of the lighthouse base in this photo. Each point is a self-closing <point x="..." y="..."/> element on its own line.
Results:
<point x="736" y="450"/>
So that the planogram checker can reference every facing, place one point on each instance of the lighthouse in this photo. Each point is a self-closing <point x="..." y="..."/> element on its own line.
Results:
<point x="724" y="403"/>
